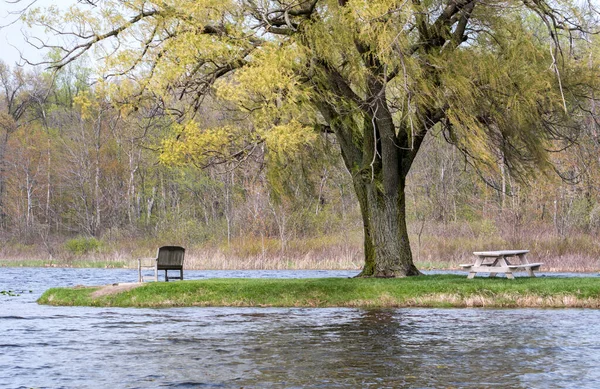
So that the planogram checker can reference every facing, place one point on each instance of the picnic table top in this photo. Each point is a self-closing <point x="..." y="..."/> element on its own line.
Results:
<point x="499" y="253"/>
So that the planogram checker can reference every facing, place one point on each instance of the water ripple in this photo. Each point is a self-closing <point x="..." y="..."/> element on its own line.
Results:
<point x="81" y="347"/>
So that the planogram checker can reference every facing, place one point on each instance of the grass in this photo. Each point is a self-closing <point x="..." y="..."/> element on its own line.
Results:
<point x="423" y="291"/>
<point x="442" y="247"/>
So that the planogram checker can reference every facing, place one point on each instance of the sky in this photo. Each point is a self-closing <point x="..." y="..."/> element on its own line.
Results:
<point x="12" y="30"/>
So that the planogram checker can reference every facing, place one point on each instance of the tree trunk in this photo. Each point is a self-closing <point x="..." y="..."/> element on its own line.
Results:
<point x="3" y="146"/>
<point x="387" y="247"/>
<point x="48" y="184"/>
<point x="379" y="160"/>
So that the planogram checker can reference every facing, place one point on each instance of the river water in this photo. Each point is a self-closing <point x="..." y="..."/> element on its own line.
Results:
<point x="81" y="347"/>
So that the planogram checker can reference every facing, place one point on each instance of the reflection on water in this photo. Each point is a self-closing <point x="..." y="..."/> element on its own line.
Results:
<point x="73" y="347"/>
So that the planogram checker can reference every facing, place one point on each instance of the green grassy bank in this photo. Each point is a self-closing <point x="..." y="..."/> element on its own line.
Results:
<point x="423" y="291"/>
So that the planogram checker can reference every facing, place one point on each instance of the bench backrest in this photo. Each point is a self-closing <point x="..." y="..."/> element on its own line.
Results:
<point x="170" y="256"/>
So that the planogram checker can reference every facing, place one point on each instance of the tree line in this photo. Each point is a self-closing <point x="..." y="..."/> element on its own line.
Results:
<point x="74" y="164"/>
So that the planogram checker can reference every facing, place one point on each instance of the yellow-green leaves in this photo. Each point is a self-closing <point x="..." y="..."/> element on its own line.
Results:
<point x="85" y="104"/>
<point x="191" y="144"/>
<point x="288" y="139"/>
<point x="500" y="100"/>
<point x="283" y="71"/>
<point x="269" y="88"/>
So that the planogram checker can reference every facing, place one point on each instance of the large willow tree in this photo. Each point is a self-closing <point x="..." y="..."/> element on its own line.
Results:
<point x="503" y="80"/>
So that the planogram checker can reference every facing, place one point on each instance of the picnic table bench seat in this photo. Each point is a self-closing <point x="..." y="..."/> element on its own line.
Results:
<point x="533" y="266"/>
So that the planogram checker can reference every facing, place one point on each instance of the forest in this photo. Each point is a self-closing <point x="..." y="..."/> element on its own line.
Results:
<point x="311" y="134"/>
<point x="81" y="181"/>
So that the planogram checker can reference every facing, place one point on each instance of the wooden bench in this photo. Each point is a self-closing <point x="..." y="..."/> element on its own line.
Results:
<point x="495" y="262"/>
<point x="167" y="258"/>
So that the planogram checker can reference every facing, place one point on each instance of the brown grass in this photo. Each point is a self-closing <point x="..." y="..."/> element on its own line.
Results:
<point x="443" y="246"/>
<point x="328" y="258"/>
<point x="505" y="300"/>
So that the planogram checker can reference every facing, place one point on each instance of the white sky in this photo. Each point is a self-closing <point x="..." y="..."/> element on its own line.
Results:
<point x="12" y="30"/>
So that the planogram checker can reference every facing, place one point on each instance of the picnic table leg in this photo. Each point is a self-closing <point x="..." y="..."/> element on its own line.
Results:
<point x="502" y="261"/>
<point x="478" y="262"/>
<point x="530" y="272"/>
<point x="495" y="263"/>
<point x="523" y="259"/>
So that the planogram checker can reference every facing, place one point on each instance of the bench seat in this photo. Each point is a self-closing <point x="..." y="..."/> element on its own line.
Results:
<point x="532" y="266"/>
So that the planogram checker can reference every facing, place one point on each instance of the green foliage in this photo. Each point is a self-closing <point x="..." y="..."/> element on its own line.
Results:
<point x="192" y="145"/>
<point x="581" y="212"/>
<point x="467" y="213"/>
<point x="83" y="245"/>
<point x="496" y="91"/>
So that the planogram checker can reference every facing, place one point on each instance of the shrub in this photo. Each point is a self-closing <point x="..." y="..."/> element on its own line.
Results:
<point x="82" y="245"/>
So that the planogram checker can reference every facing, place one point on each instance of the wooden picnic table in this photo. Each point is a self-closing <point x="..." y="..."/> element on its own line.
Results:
<point x="503" y="261"/>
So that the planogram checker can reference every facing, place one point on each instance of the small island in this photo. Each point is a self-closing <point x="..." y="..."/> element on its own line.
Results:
<point x="438" y="291"/>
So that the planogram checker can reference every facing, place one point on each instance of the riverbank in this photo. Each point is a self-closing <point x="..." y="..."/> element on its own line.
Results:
<point x="423" y="291"/>
<point x="242" y="265"/>
<point x="90" y="264"/>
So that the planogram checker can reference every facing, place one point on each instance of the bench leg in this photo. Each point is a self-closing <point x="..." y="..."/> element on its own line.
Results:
<point x="471" y="275"/>
<point x="166" y="276"/>
<point x="530" y="272"/>
<point x="509" y="275"/>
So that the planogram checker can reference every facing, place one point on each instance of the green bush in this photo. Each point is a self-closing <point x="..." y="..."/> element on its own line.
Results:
<point x="484" y="228"/>
<point x="467" y="213"/>
<point x="83" y="245"/>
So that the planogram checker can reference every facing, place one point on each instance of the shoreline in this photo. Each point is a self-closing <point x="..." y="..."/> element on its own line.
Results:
<point x="435" y="291"/>
<point x="123" y="266"/>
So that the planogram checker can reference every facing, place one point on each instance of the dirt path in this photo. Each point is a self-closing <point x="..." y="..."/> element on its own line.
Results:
<point x="115" y="288"/>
